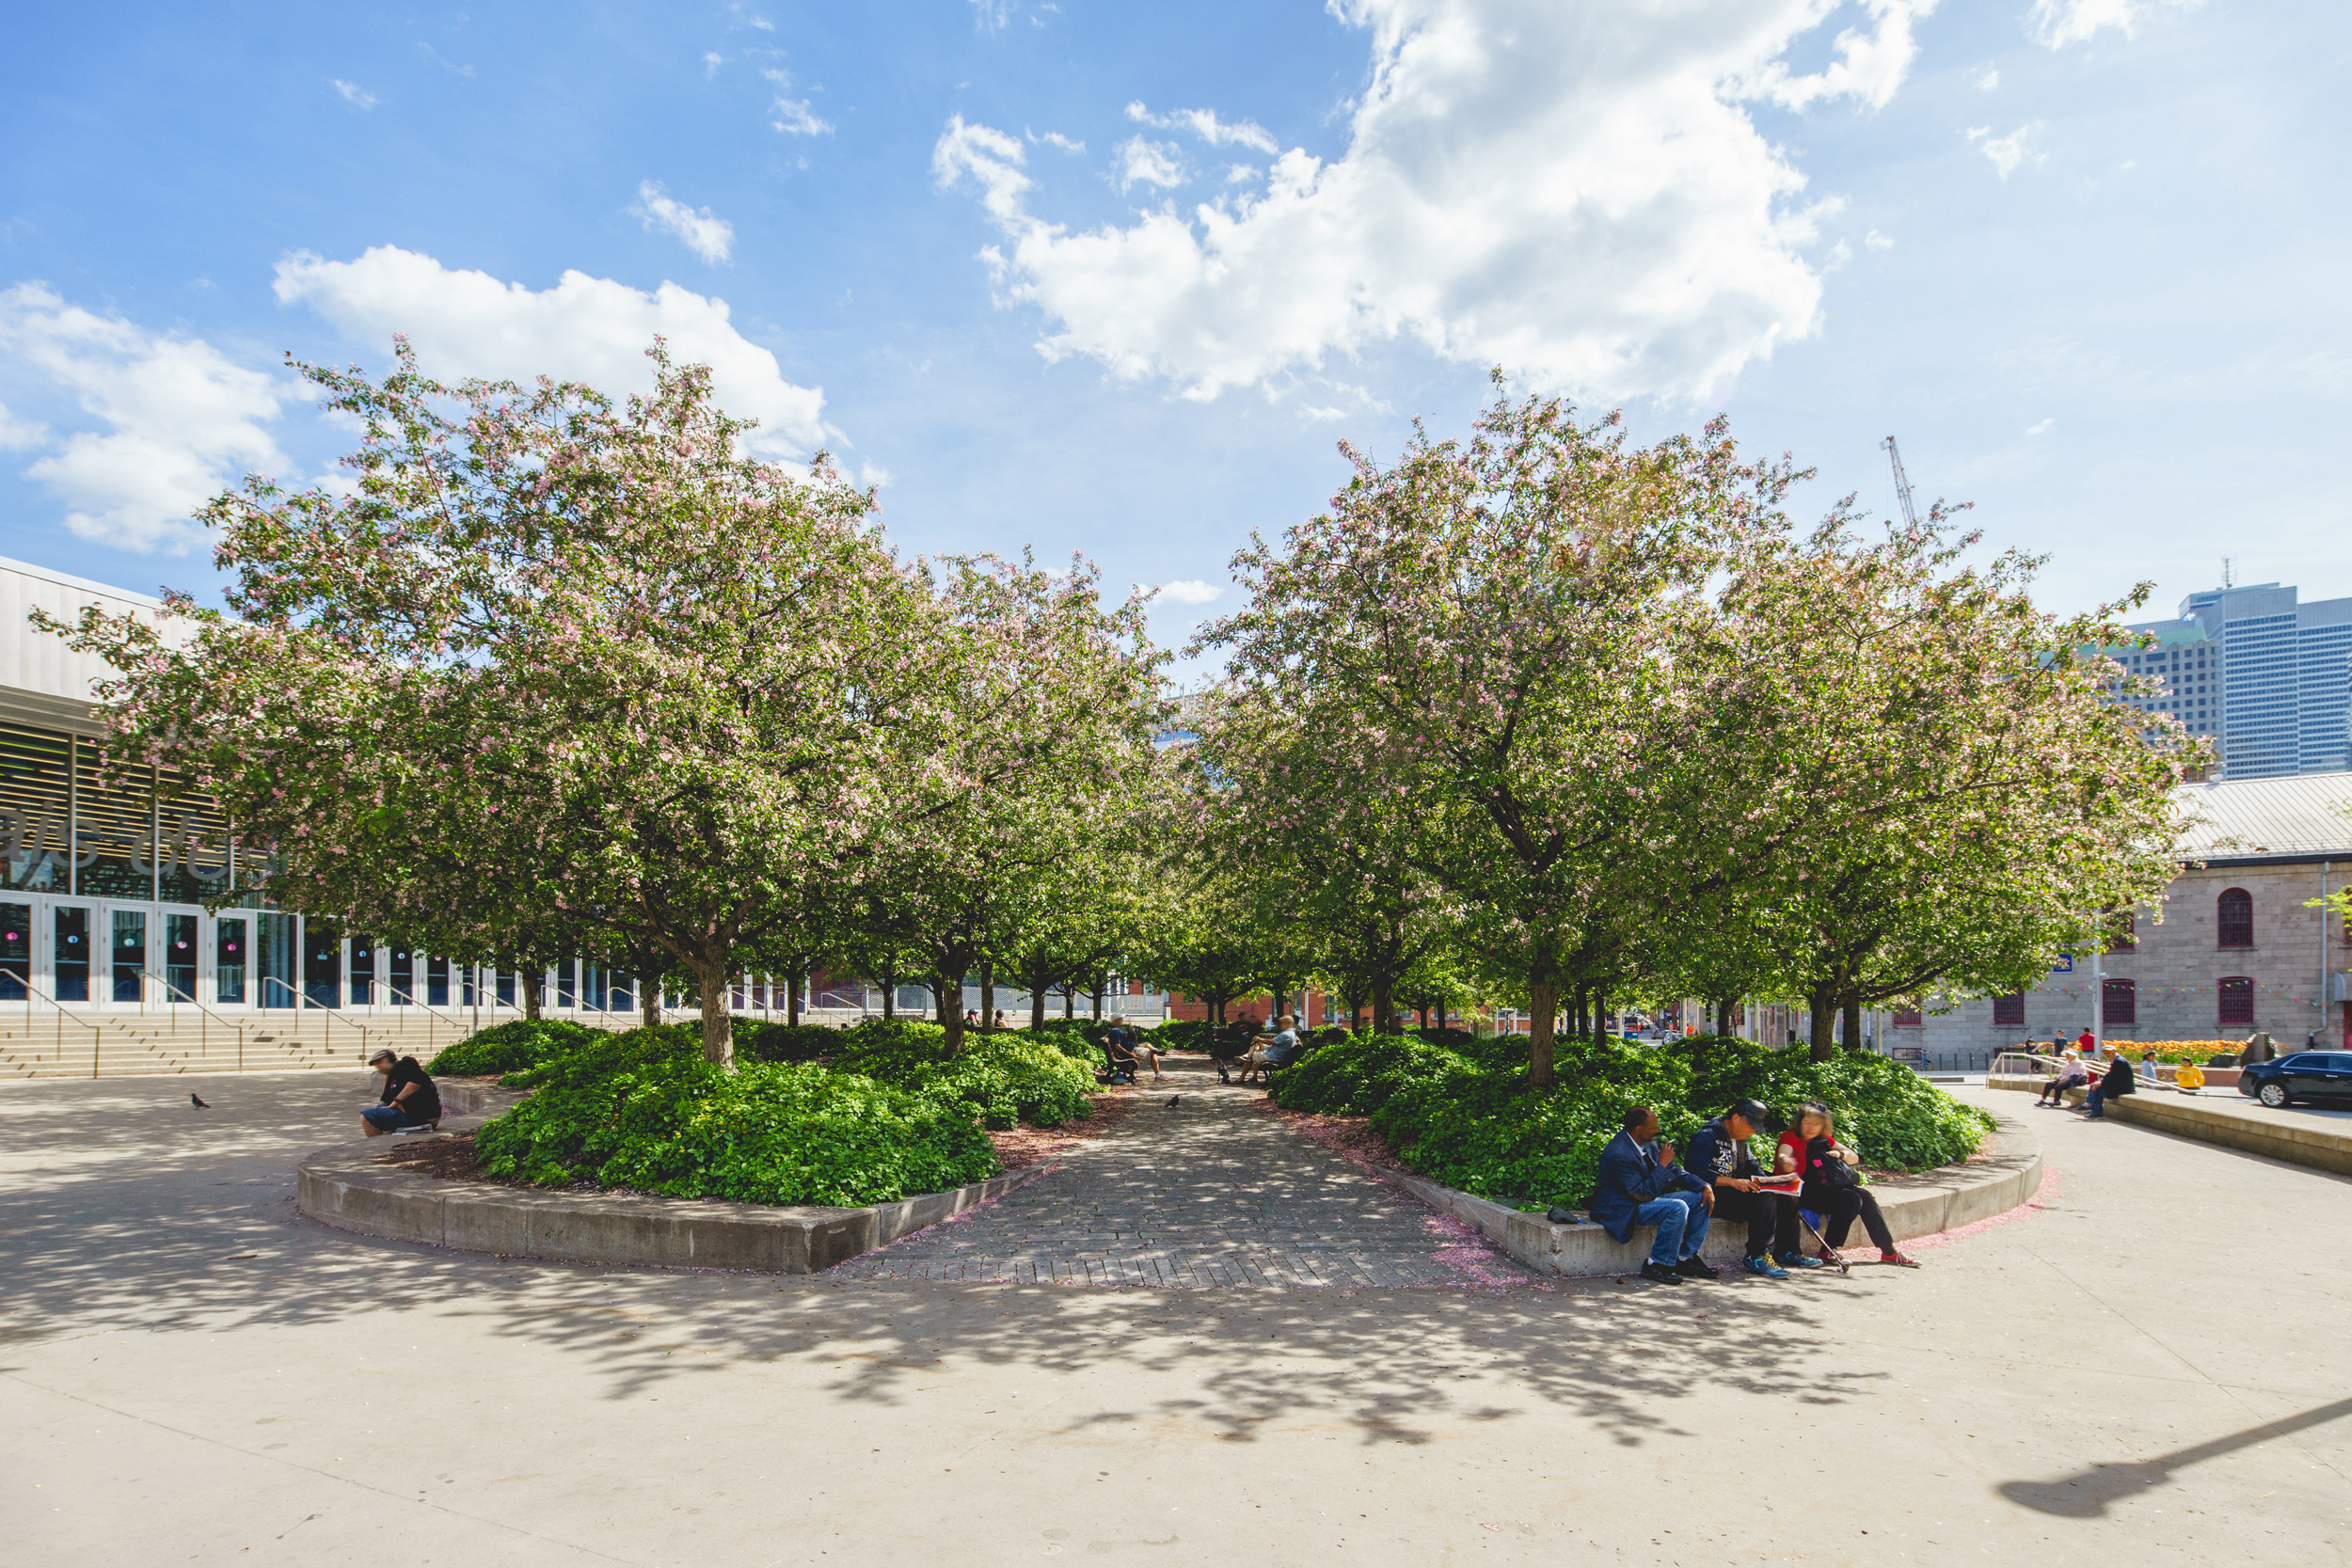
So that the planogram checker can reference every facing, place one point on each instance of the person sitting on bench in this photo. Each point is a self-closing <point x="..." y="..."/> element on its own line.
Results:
<point x="1640" y="1184"/>
<point x="1719" y="1155"/>
<point x="1140" y="1048"/>
<point x="1122" y="1061"/>
<point x="409" y="1097"/>
<point x="1276" y="1051"/>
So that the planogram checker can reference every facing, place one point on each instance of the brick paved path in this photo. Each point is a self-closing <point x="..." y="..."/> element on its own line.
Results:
<point x="1210" y="1193"/>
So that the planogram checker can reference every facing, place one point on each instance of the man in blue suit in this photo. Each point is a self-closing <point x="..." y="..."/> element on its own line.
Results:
<point x="1640" y="1184"/>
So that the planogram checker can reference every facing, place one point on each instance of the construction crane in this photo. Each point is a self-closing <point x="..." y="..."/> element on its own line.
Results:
<point x="1902" y="484"/>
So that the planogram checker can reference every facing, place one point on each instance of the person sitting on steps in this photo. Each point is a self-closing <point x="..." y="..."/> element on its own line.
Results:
<point x="1640" y="1184"/>
<point x="1719" y="1155"/>
<point x="2069" y="1076"/>
<point x="409" y="1097"/>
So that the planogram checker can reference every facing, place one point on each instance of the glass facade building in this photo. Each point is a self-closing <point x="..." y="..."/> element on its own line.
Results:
<point x="2267" y="677"/>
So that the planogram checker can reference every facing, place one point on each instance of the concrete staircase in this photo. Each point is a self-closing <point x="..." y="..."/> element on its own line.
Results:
<point x="95" y="1042"/>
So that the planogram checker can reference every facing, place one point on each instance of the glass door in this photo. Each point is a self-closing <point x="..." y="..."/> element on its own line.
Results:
<point x="322" y="964"/>
<point x="16" y="950"/>
<point x="126" y="942"/>
<point x="184" y="946"/>
<point x="277" y="951"/>
<point x="362" y="971"/>
<point x="232" y="952"/>
<point x="70" y="969"/>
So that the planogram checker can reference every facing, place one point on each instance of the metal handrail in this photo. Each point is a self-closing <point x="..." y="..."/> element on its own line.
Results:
<point x="33" y="991"/>
<point x="203" y="1029"/>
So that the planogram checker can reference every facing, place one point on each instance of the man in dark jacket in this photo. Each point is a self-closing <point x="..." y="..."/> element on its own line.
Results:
<point x="2117" y="1084"/>
<point x="411" y="1099"/>
<point x="1720" y="1156"/>
<point x="1639" y="1185"/>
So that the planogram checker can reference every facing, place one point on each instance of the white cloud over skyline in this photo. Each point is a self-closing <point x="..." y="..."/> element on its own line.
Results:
<point x="2056" y="24"/>
<point x="591" y="330"/>
<point x="183" y="420"/>
<point x="706" y="234"/>
<point x="1575" y="191"/>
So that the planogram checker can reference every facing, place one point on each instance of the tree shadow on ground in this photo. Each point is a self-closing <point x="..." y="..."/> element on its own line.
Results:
<point x="163" y="1223"/>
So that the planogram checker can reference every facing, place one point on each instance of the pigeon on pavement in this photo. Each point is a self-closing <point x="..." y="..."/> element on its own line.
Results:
<point x="198" y="1103"/>
<point x="1172" y="1100"/>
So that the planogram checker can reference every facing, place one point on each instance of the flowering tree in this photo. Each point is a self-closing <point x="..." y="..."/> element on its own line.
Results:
<point x="1947" y="799"/>
<point x="679" y="684"/>
<point x="1503" y="616"/>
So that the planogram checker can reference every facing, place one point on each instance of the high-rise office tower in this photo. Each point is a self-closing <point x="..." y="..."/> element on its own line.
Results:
<point x="2270" y="678"/>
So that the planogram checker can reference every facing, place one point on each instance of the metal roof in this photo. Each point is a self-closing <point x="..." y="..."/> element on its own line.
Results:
<point x="2300" y="816"/>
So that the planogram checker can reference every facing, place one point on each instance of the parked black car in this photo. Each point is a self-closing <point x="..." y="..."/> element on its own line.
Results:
<point x="2305" y="1075"/>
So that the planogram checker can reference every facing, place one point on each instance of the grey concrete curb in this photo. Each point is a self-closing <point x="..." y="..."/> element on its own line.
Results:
<point x="2299" y="1144"/>
<point x="349" y="1187"/>
<point x="2004" y="1173"/>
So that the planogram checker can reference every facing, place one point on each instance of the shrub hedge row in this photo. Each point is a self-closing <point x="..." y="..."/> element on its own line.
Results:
<point x="1468" y="1119"/>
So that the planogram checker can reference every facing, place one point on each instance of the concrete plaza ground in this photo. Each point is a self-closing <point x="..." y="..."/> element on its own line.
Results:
<point x="2153" y="1366"/>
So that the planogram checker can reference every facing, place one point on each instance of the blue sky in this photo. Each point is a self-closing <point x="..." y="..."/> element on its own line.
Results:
<point x="1116" y="279"/>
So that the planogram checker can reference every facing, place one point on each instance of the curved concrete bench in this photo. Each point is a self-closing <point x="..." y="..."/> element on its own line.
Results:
<point x="350" y="1187"/>
<point x="2004" y="1173"/>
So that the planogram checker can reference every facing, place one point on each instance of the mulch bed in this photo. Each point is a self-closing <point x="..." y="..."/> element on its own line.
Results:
<point x="451" y="1158"/>
<point x="1019" y="1148"/>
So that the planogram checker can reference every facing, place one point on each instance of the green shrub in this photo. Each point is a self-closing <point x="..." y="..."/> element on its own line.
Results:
<point x="643" y="1110"/>
<point x="760" y="1039"/>
<point x="1181" y="1034"/>
<point x="1000" y="1079"/>
<point x="511" y="1047"/>
<point x="1466" y="1116"/>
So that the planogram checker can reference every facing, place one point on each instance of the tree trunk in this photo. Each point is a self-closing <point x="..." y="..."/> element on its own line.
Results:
<point x="718" y="1024"/>
<point x="1069" y="1001"/>
<point x="890" y="993"/>
<point x="1440" y="1015"/>
<point x="1853" y="1023"/>
<point x="1723" y="1016"/>
<point x="649" y="1001"/>
<point x="792" y="1000"/>
<point x="1383" y="1008"/>
<point x="951" y="1018"/>
<point x="948" y="1011"/>
<point x="533" y="980"/>
<point x="1600" y="1013"/>
<point x="1824" y="1044"/>
<point x="1098" y="1004"/>
<point x="987" y="994"/>
<point x="1543" y="1006"/>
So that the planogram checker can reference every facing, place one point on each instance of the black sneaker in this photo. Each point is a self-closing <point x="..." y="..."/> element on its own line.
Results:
<point x="1661" y="1273"/>
<point x="1691" y="1268"/>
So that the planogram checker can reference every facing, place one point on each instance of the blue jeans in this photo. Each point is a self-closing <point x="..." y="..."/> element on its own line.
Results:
<point x="391" y="1119"/>
<point x="2095" y="1104"/>
<point x="1682" y="1226"/>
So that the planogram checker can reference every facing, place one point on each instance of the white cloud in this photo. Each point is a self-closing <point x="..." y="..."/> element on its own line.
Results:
<point x="2041" y="429"/>
<point x="706" y="234"/>
<point x="711" y="63"/>
<point x="1877" y="241"/>
<point x="184" y="421"/>
<point x="1985" y="78"/>
<point x="16" y="434"/>
<point x="590" y="329"/>
<point x="1055" y="138"/>
<point x="794" y="117"/>
<point x="354" y="94"/>
<point x="1204" y="124"/>
<point x="2056" y="24"/>
<point x="1236" y="174"/>
<point x="2007" y="152"/>
<point x="989" y="16"/>
<point x="1572" y="189"/>
<point x="1190" y="591"/>
<point x="1149" y="162"/>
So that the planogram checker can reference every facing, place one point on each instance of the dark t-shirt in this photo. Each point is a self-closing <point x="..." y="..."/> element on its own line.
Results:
<point x="426" y="1105"/>
<point x="1715" y="1153"/>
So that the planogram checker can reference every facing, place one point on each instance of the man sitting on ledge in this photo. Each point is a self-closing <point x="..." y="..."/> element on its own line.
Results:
<point x="1719" y="1154"/>
<point x="409" y="1097"/>
<point x="1639" y="1185"/>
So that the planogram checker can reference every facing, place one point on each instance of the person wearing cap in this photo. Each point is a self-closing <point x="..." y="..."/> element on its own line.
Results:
<point x="409" y="1097"/>
<point x="1721" y="1157"/>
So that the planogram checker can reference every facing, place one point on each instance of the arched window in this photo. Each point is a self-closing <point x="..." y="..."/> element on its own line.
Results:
<point x="2234" y="914"/>
<point x="2236" y="992"/>
<point x="2118" y="1004"/>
